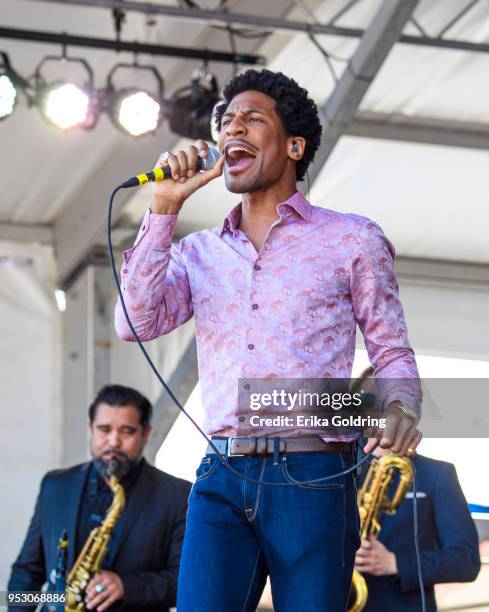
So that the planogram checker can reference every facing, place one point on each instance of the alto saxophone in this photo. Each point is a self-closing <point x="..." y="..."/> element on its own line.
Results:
<point x="93" y="552"/>
<point x="373" y="499"/>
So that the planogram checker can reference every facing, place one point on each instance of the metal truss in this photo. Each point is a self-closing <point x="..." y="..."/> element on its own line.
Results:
<point x="286" y="25"/>
<point x="133" y="47"/>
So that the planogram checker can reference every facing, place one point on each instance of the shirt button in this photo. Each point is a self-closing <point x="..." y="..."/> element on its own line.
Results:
<point x="251" y="346"/>
<point x="255" y="306"/>
<point x="124" y="271"/>
<point x="241" y="419"/>
<point x="247" y="386"/>
<point x="257" y="267"/>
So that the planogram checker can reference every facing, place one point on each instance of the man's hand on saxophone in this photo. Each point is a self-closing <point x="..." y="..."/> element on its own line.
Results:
<point x="374" y="558"/>
<point x="104" y="589"/>
<point x="400" y="434"/>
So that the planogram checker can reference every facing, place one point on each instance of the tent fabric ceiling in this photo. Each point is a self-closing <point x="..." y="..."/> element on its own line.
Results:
<point x="429" y="200"/>
<point x="442" y="187"/>
<point x="414" y="80"/>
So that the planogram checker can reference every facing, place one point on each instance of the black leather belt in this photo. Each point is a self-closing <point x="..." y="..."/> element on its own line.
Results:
<point x="260" y="447"/>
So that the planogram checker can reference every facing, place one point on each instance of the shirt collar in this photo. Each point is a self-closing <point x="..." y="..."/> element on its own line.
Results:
<point x="297" y="202"/>
<point x="231" y="222"/>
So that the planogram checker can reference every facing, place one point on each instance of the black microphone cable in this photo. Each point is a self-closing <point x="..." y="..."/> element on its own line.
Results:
<point x="416" y="540"/>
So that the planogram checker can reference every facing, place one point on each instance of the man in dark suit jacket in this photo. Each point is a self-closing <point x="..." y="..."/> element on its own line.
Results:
<point x="140" y="570"/>
<point x="448" y="543"/>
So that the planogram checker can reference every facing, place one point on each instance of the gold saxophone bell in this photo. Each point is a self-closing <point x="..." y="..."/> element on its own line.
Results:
<point x="374" y="500"/>
<point x="94" y="551"/>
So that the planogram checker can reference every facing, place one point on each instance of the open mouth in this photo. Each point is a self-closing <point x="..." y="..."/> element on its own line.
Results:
<point x="238" y="157"/>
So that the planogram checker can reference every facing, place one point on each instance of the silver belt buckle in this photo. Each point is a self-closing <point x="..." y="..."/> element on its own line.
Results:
<point x="241" y="447"/>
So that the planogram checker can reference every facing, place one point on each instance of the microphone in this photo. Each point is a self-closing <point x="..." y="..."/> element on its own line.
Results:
<point x="160" y="174"/>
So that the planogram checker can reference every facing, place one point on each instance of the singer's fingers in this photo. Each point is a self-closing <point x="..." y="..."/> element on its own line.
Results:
<point x="371" y="445"/>
<point x="174" y="166"/>
<point x="391" y="426"/>
<point x="202" y="148"/>
<point x="406" y="441"/>
<point x="209" y="175"/>
<point x="415" y="442"/>
<point x="409" y="446"/>
<point x="405" y="431"/>
<point x="182" y="160"/>
<point x="193" y="159"/>
<point x="162" y="160"/>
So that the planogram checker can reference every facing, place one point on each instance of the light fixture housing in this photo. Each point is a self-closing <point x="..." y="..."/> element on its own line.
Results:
<point x="64" y="104"/>
<point x="133" y="110"/>
<point x="8" y="89"/>
<point x="192" y="106"/>
<point x="213" y="122"/>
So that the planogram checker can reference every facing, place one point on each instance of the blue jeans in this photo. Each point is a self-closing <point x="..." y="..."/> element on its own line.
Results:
<point x="238" y="533"/>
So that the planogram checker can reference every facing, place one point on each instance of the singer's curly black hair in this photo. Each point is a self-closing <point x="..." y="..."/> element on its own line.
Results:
<point x="297" y="110"/>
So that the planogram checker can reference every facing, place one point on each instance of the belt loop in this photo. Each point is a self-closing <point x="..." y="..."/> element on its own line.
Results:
<point x="276" y="450"/>
<point x="260" y="446"/>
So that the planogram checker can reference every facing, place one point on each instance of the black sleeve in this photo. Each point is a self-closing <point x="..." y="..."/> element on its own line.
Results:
<point x="28" y="571"/>
<point x="457" y="559"/>
<point x="158" y="589"/>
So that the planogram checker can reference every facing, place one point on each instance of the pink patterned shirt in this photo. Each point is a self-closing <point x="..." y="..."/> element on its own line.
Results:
<point x="289" y="311"/>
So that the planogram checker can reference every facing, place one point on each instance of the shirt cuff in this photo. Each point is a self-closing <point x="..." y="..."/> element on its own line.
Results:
<point x="406" y="391"/>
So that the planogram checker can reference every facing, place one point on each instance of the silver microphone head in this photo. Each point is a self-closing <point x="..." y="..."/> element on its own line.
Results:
<point x="211" y="160"/>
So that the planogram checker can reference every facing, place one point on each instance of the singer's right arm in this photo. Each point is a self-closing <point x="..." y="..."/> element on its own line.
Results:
<point x="154" y="281"/>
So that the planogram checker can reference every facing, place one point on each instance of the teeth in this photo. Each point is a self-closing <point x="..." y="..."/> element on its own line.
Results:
<point x="236" y="149"/>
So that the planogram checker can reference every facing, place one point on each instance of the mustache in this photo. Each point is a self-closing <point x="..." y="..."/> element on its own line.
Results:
<point x="118" y="465"/>
<point x="115" y="452"/>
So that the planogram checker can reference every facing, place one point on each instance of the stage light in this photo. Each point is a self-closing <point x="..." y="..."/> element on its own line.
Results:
<point x="212" y="122"/>
<point x="8" y="96"/>
<point x="193" y="105"/>
<point x="8" y="90"/>
<point x="135" y="111"/>
<point x="66" y="105"/>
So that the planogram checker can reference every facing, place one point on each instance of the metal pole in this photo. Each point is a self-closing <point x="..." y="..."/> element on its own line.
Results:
<point x="338" y="112"/>
<point x="268" y="23"/>
<point x="134" y="47"/>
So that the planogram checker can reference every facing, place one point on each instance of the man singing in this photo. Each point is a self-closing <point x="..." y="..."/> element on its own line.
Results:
<point x="277" y="292"/>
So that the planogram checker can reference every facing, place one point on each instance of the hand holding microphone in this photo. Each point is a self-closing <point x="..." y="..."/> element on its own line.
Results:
<point x="188" y="170"/>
